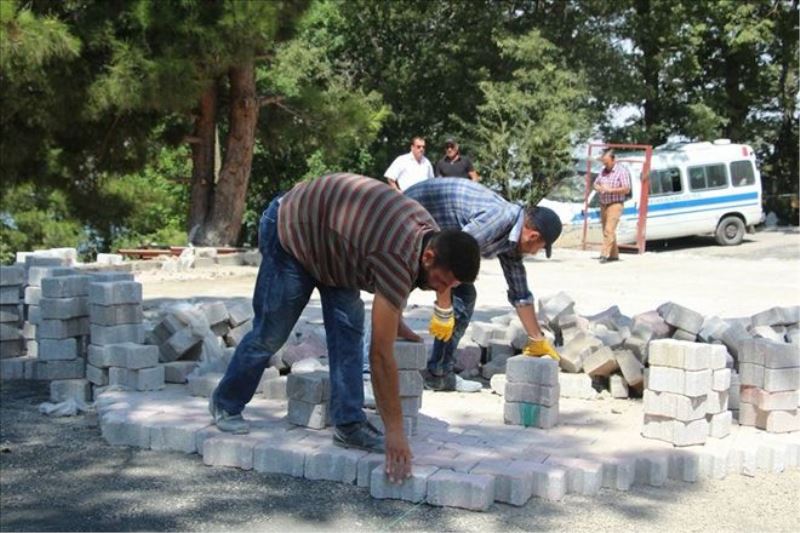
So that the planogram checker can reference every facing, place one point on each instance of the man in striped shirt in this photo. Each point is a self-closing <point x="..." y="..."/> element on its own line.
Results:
<point x="342" y="234"/>
<point x="503" y="230"/>
<point x="613" y="183"/>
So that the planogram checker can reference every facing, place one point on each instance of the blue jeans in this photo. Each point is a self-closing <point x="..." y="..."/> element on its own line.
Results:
<point x="442" y="358"/>
<point x="283" y="288"/>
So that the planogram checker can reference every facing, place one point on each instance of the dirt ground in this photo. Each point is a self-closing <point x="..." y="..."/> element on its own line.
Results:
<point x="59" y="475"/>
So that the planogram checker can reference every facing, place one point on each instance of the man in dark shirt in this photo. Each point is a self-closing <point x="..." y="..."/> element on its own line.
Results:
<point x="455" y="165"/>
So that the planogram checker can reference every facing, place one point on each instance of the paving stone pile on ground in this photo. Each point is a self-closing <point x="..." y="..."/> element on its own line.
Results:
<point x="12" y="342"/>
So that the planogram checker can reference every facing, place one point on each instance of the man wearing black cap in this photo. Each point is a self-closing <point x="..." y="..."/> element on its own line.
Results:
<point x="503" y="230"/>
<point x="455" y="165"/>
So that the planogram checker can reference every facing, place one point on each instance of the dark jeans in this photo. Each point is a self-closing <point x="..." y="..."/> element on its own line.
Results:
<point x="442" y="357"/>
<point x="283" y="288"/>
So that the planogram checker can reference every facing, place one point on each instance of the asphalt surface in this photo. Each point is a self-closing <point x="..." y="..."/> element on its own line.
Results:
<point x="59" y="475"/>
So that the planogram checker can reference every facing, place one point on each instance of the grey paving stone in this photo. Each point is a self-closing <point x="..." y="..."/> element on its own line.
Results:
<point x="630" y="367"/>
<point x="281" y="457"/>
<point x="602" y="362"/>
<point x="65" y="389"/>
<point x="312" y="415"/>
<point x="526" y="369"/>
<point x="12" y="276"/>
<point x="58" y="349"/>
<point x="62" y="329"/>
<point x="457" y="489"/>
<point x="512" y="484"/>
<point x="275" y="389"/>
<point x="332" y="463"/>
<point x="97" y="376"/>
<point x="410" y="382"/>
<point x="50" y="370"/>
<point x="681" y="317"/>
<point x="115" y="293"/>
<point x="531" y="393"/>
<point x="11" y="313"/>
<point x="65" y="286"/>
<point x="239" y="313"/>
<point x="115" y="315"/>
<point x="410" y="355"/>
<point x="9" y="295"/>
<point x="64" y="308"/>
<point x="413" y="490"/>
<point x="311" y="387"/>
<point x="123" y="333"/>
<point x="530" y="415"/>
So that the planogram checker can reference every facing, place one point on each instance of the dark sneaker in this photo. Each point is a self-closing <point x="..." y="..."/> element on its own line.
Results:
<point x="439" y="383"/>
<point x="235" y="424"/>
<point x="359" y="435"/>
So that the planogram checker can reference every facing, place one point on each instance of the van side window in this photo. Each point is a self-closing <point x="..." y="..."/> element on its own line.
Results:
<point x="665" y="181"/>
<point x="742" y="173"/>
<point x="707" y="177"/>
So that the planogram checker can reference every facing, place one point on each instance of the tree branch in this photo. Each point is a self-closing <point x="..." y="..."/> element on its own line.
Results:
<point x="267" y="100"/>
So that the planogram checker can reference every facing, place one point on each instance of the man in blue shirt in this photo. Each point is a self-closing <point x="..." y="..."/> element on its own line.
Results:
<point x="503" y="230"/>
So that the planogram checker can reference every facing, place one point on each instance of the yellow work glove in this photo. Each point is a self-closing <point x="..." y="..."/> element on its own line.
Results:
<point x="442" y="323"/>
<point x="540" y="348"/>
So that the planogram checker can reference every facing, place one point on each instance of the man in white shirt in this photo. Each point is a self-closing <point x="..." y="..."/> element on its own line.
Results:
<point x="410" y="168"/>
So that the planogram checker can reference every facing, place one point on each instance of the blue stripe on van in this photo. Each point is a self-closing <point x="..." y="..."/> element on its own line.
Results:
<point x="679" y="205"/>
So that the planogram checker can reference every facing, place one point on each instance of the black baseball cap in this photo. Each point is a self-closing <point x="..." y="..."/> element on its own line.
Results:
<point x="547" y="223"/>
<point x="450" y="141"/>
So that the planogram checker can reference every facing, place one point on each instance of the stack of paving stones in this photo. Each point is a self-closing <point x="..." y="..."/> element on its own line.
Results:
<point x="62" y="336"/>
<point x="770" y="385"/>
<point x="686" y="399"/>
<point x="36" y="269"/>
<point x="410" y="358"/>
<point x="531" y="392"/>
<point x="309" y="399"/>
<point x="118" y="356"/>
<point x="12" y="343"/>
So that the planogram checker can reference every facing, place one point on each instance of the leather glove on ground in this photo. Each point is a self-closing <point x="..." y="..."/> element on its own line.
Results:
<point x="442" y="323"/>
<point x="540" y="348"/>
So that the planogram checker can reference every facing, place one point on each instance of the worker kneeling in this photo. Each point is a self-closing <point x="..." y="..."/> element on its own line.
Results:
<point x="342" y="234"/>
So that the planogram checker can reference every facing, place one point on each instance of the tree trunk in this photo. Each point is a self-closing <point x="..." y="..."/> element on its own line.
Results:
<point x="647" y="41"/>
<point x="203" y="144"/>
<point x="224" y="224"/>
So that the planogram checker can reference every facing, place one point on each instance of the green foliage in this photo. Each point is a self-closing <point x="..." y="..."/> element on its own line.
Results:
<point x="145" y="208"/>
<point x="526" y="126"/>
<point x="33" y="217"/>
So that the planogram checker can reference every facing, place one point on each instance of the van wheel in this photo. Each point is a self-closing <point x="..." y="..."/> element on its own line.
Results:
<point x="730" y="231"/>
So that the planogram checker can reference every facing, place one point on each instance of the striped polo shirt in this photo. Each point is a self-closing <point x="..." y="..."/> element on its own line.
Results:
<point x="355" y="232"/>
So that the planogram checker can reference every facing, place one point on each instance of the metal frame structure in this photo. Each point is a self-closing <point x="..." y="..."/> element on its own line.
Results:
<point x="644" y="193"/>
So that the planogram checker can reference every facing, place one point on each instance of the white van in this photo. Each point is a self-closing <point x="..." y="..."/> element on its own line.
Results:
<point x="695" y="189"/>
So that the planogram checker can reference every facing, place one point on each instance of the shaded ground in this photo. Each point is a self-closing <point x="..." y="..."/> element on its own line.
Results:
<point x="59" y="475"/>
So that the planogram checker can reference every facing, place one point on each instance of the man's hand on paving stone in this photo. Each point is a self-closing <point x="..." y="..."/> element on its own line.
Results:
<point x="540" y="348"/>
<point x="443" y="323"/>
<point x="398" y="456"/>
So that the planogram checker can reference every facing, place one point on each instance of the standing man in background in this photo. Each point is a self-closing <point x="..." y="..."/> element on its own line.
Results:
<point x="613" y="183"/>
<point x="455" y="165"/>
<point x="410" y="168"/>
